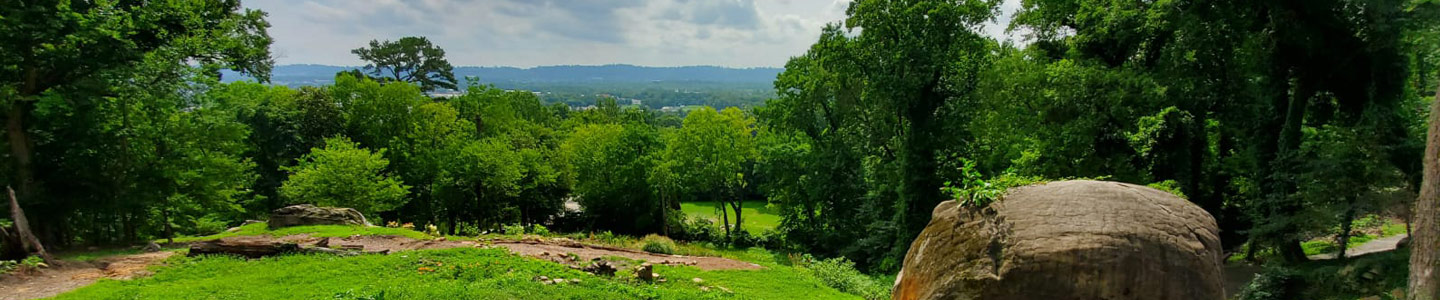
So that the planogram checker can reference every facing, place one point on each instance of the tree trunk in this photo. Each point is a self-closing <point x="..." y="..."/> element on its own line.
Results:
<point x="739" y="203"/>
<point x="664" y="214"/>
<point x="1344" y="239"/>
<point x="724" y="217"/>
<point x="20" y="145"/>
<point x="1423" y="258"/>
<point x="22" y="234"/>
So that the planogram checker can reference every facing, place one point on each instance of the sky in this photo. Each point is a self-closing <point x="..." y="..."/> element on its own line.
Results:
<point x="528" y="33"/>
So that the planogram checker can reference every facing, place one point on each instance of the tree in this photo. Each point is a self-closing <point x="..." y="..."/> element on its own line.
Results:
<point x="345" y="175"/>
<point x="82" y="45"/>
<point x="711" y="153"/>
<point x="411" y="59"/>
<point x="1425" y="253"/>
<point x="918" y="57"/>
<point x="609" y="167"/>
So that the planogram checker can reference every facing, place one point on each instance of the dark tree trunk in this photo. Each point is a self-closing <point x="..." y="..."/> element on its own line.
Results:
<point x="724" y="217"/>
<point x="1344" y="239"/>
<point x="20" y="146"/>
<point x="20" y="234"/>
<point x="1424" y="283"/>
<point x="737" y="205"/>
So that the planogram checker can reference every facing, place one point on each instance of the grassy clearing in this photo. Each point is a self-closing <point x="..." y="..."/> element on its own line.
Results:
<point x="315" y="231"/>
<point x="757" y="217"/>
<point x="460" y="273"/>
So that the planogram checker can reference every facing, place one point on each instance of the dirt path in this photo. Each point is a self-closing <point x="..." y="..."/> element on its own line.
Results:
<point x="1376" y="245"/>
<point x="559" y="251"/>
<point x="72" y="275"/>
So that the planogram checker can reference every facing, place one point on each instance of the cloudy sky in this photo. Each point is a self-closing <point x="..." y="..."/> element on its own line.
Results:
<point x="527" y="33"/>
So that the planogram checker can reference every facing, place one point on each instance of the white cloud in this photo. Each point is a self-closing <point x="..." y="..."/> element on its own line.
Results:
<point x="736" y="33"/>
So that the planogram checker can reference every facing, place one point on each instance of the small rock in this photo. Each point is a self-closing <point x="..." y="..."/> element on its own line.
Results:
<point x="660" y="280"/>
<point x="325" y="242"/>
<point x="558" y="280"/>
<point x="544" y="278"/>
<point x="152" y="247"/>
<point x="705" y="288"/>
<point x="724" y="289"/>
<point x="574" y="280"/>
<point x="697" y="280"/>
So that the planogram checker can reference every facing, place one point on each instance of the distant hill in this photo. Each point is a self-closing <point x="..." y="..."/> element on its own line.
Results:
<point x="297" y="75"/>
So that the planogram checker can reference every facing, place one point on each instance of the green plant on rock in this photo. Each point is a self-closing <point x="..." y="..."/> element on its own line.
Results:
<point x="974" y="190"/>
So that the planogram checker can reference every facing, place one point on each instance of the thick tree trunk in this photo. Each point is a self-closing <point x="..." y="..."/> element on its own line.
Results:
<point x="21" y="231"/>
<point x="1424" y="285"/>
<point x="20" y="146"/>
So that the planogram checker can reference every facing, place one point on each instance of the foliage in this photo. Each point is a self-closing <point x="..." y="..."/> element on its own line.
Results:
<point x="343" y="175"/>
<point x="27" y="265"/>
<point x="410" y="59"/>
<point x="974" y="191"/>
<point x="1169" y="186"/>
<point x="840" y="274"/>
<point x="658" y="244"/>
<point x="610" y="164"/>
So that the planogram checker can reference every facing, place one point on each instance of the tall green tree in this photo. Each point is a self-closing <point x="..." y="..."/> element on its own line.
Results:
<point x="343" y="174"/>
<point x="58" y="45"/>
<point x="710" y="155"/>
<point x="410" y="59"/>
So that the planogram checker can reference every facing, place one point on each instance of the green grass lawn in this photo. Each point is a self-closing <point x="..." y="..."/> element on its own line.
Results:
<point x="758" y="219"/>
<point x="459" y="273"/>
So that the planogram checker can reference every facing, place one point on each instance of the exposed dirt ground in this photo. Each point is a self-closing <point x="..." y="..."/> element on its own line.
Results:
<point x="72" y="275"/>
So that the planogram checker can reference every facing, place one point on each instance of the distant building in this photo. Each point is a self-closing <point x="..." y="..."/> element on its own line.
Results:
<point x="635" y="102"/>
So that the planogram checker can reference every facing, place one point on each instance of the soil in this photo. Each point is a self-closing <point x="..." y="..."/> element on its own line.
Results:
<point x="71" y="275"/>
<point x="560" y="250"/>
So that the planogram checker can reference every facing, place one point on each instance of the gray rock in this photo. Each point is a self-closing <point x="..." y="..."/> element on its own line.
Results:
<point x="306" y="214"/>
<point x="1067" y="240"/>
<point x="151" y="247"/>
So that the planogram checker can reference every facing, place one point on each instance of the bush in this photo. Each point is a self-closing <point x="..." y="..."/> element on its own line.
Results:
<point x="514" y="229"/>
<point x="1272" y="283"/>
<point x="27" y="265"/>
<point x="208" y="225"/>
<point x="538" y="229"/>
<point x="840" y="273"/>
<point x="658" y="244"/>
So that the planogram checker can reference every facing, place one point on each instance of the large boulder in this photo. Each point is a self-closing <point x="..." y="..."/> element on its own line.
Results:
<point x="1067" y="240"/>
<point x="306" y="214"/>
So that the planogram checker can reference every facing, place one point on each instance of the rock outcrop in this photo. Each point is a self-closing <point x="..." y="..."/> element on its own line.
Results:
<point x="305" y="214"/>
<point x="1067" y="240"/>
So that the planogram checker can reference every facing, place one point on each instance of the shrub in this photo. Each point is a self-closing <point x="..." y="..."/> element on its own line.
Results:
<point x="27" y="265"/>
<point x="514" y="229"/>
<point x="658" y="244"/>
<point x="840" y="273"/>
<point x="1272" y="283"/>
<point x="209" y="224"/>
<point x="538" y="229"/>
